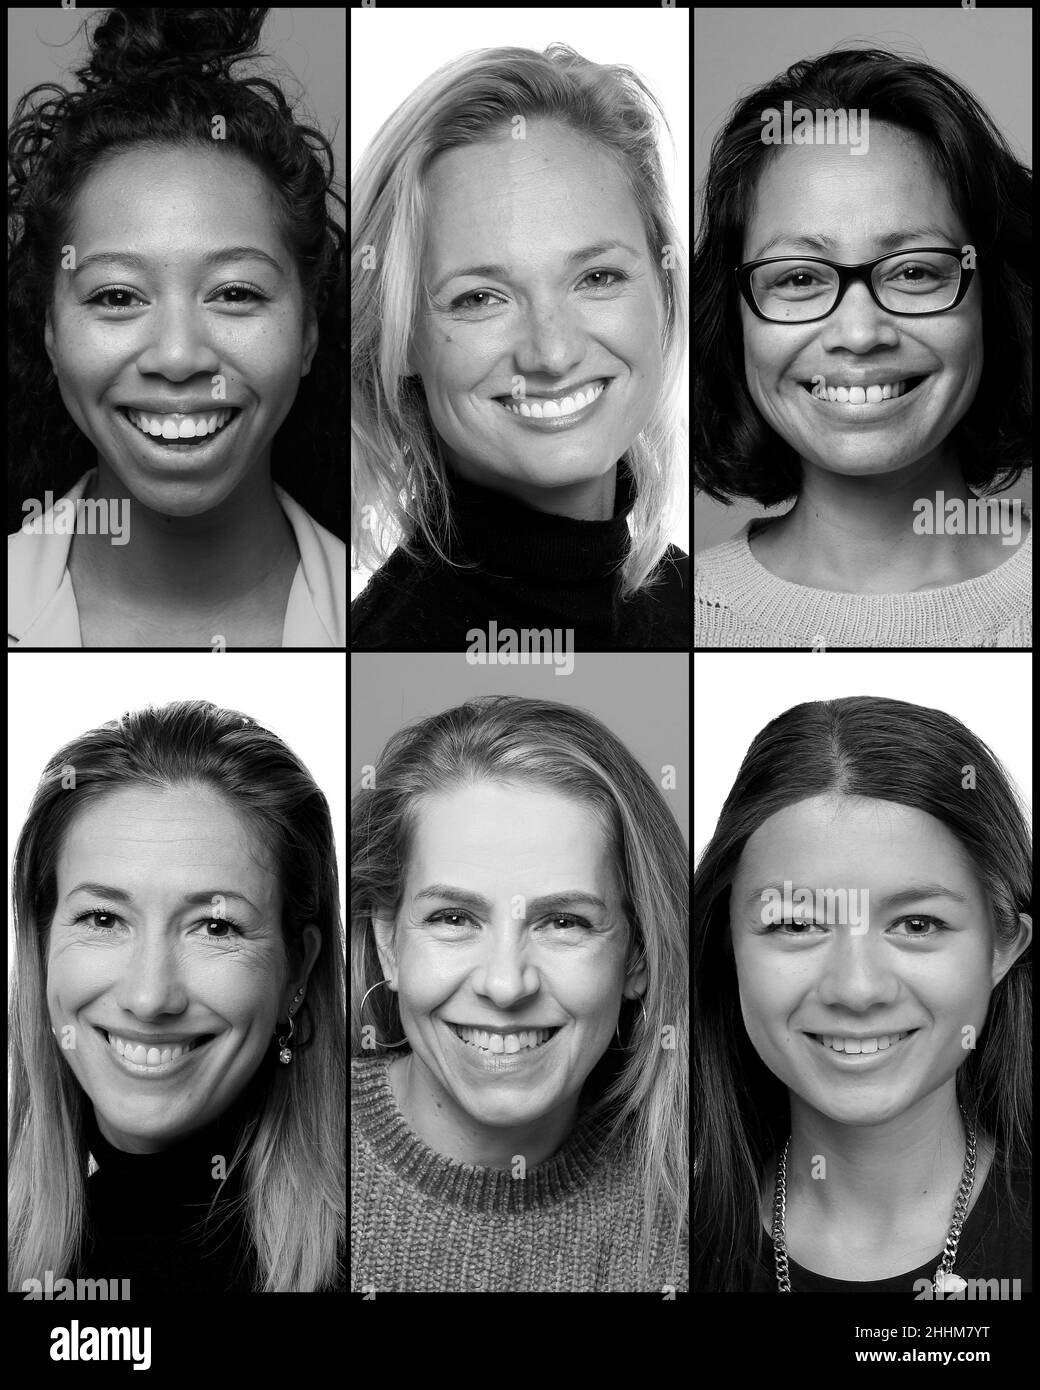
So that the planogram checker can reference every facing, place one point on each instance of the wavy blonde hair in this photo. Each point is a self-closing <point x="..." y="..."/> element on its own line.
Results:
<point x="291" y="1151"/>
<point x="640" y="1096"/>
<point x="397" y="464"/>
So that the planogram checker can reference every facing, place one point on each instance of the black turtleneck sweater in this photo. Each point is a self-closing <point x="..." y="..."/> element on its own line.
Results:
<point x="533" y="570"/>
<point x="143" y="1210"/>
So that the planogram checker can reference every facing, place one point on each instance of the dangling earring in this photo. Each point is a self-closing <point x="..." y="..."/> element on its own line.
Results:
<point x="285" y="1051"/>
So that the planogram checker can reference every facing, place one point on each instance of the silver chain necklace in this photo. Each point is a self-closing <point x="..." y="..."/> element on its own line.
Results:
<point x="944" y="1281"/>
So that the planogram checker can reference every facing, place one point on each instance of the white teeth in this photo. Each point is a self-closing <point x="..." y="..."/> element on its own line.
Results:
<point x="542" y="410"/>
<point x="148" y="1056"/>
<point x="188" y="427"/>
<point x="854" y="1046"/>
<point x="496" y="1042"/>
<point x="859" y="395"/>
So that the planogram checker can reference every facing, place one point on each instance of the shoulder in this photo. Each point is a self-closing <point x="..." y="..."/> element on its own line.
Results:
<point x="403" y="603"/>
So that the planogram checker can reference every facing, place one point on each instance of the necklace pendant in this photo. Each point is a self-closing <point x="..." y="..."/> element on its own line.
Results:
<point x="949" y="1283"/>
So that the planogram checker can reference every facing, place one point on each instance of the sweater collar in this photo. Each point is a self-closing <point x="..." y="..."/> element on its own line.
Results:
<point x="509" y="538"/>
<point x="379" y="1119"/>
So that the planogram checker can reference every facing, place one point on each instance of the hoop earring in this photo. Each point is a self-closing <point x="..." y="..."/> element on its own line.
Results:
<point x="617" y="1026"/>
<point x="367" y="993"/>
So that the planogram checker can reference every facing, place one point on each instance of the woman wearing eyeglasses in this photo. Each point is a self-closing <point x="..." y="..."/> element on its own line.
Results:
<point x="864" y="350"/>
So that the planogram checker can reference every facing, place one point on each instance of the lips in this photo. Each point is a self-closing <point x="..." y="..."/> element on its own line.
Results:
<point x="182" y="445"/>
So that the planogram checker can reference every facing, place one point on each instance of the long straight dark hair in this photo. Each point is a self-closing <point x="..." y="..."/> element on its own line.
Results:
<point x="887" y="750"/>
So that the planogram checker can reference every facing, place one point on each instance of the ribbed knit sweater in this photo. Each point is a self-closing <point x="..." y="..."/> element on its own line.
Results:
<point x="422" y="1223"/>
<point x="739" y="603"/>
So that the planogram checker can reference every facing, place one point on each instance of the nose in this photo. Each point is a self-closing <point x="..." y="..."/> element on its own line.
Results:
<point x="178" y="343"/>
<point x="505" y="976"/>
<point x="151" y="983"/>
<point x="858" y="324"/>
<point x="552" y="340"/>
<point x="854" y="975"/>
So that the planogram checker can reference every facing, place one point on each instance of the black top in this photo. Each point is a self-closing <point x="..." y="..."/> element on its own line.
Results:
<point x="147" y="1212"/>
<point x="533" y="570"/>
<point x="994" y="1245"/>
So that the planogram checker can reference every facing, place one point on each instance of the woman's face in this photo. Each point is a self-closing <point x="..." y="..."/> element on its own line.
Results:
<point x="852" y="201"/>
<point x="159" y="969"/>
<point x="515" y="306"/>
<point x="510" y="920"/>
<point x="909" y="949"/>
<point x="170" y="336"/>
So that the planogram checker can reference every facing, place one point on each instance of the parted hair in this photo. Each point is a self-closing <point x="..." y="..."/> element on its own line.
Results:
<point x="291" y="1149"/>
<point x="888" y="750"/>
<point x="156" y="78"/>
<point x="736" y="454"/>
<point x="642" y="1100"/>
<point x="398" y="471"/>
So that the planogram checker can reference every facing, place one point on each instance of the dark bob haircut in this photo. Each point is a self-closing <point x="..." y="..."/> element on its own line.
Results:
<point x="887" y="750"/>
<point x="735" y="453"/>
<point x="154" y="79"/>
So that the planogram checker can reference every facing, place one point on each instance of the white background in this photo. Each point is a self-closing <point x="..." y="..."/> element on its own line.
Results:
<point x="393" y="51"/>
<point x="54" y="696"/>
<point x="735" y="696"/>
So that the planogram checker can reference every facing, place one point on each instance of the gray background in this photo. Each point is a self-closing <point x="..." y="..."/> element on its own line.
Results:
<point x="643" y="698"/>
<point x="987" y="51"/>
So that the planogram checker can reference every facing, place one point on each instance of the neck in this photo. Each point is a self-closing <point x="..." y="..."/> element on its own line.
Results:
<point x="877" y="1176"/>
<point x="591" y="499"/>
<point x="186" y="565"/>
<point x="857" y="535"/>
<point x="442" y="1124"/>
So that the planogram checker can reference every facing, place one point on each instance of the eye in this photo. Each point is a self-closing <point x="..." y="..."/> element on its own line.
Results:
<point x="445" y="913"/>
<point x="98" y="296"/>
<point x="93" y="918"/>
<point x="927" y="922"/>
<point x="617" y="276"/>
<point x="794" y="923"/>
<point x="568" y="921"/>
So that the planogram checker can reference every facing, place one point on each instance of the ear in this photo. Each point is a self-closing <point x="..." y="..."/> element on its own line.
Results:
<point x="635" y="984"/>
<point x="384" y="929"/>
<point x="311" y="942"/>
<point x="310" y="342"/>
<point x="1004" y="957"/>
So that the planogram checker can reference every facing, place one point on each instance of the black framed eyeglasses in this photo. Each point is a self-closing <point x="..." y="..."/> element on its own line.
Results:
<point x="803" y="289"/>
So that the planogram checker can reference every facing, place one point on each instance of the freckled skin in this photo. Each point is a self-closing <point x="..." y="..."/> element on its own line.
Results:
<point x="175" y="205"/>
<point x="157" y="970"/>
<point x="503" y="843"/>
<point x="526" y="205"/>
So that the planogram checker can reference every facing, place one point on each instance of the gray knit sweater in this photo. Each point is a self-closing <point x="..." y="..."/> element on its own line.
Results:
<point x="737" y="602"/>
<point x="424" y="1223"/>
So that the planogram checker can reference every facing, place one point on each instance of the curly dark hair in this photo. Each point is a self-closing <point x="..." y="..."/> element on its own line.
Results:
<point x="735" y="453"/>
<point x="155" y="77"/>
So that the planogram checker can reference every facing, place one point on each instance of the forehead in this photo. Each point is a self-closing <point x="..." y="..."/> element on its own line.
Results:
<point x="850" y="198"/>
<point x="507" y="838"/>
<point x="185" y="837"/>
<point x="174" y="198"/>
<point x="854" y="840"/>
<point x="527" y="201"/>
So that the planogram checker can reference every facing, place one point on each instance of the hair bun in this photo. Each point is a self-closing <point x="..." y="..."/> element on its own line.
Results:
<point x="130" y="44"/>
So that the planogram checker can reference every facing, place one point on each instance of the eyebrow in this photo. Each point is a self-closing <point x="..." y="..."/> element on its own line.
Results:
<point x="550" y="902"/>
<point x="202" y="898"/>
<point x="502" y="272"/>
<point x="887" y="241"/>
<point x="226" y="253"/>
<point x="914" y="893"/>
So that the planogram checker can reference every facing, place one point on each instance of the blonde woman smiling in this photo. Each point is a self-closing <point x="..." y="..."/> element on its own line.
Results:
<point x="518" y="323"/>
<point x="519" y="1034"/>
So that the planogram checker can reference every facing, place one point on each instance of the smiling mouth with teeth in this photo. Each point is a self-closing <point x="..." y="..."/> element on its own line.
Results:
<point x="178" y="430"/>
<point x="137" y="1054"/>
<point x="863" y="395"/>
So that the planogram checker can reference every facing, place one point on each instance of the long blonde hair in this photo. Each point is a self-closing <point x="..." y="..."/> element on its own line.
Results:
<point x="398" y="469"/>
<point x="642" y="1100"/>
<point x="291" y="1151"/>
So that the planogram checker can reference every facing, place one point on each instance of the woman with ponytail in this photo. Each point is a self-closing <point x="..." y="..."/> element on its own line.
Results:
<point x="177" y="350"/>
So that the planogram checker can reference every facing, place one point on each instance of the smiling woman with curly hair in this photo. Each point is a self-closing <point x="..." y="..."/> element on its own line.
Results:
<point x="864" y="321"/>
<point x="177" y="337"/>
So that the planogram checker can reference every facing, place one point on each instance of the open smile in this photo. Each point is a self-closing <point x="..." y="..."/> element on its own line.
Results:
<point x="866" y="404"/>
<point x="542" y="414"/>
<point x="152" y="1062"/>
<point x="868" y="1052"/>
<point x="515" y="1051"/>
<point x="198" y="450"/>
